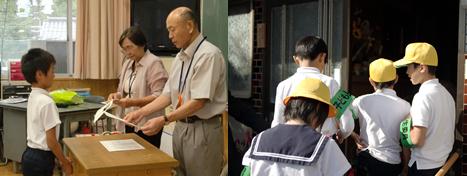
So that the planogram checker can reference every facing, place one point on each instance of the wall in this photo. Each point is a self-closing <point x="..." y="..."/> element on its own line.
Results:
<point x="259" y="90"/>
<point x="98" y="87"/>
<point x="464" y="126"/>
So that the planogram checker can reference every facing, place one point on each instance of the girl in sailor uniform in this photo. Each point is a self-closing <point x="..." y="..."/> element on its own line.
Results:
<point x="296" y="148"/>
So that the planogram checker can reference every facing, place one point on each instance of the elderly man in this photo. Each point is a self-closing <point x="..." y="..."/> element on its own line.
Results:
<point x="197" y="90"/>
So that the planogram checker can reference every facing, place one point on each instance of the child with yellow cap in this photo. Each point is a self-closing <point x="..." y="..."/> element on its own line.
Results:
<point x="432" y="111"/>
<point x="295" y="148"/>
<point x="379" y="115"/>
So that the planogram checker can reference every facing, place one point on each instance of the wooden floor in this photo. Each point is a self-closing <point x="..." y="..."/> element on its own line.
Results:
<point x="8" y="171"/>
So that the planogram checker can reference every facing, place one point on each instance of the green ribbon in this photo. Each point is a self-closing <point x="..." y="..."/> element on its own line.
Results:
<point x="341" y="101"/>
<point x="405" y="127"/>
<point x="245" y="171"/>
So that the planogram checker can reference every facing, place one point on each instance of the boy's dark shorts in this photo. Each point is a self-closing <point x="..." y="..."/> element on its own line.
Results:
<point x="37" y="162"/>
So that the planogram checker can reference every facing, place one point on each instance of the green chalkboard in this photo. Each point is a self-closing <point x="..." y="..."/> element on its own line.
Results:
<point x="214" y="23"/>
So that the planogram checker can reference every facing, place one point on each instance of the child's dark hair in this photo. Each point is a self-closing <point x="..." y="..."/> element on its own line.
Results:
<point x="34" y="60"/>
<point x="431" y="69"/>
<point x="305" y="109"/>
<point x="382" y="85"/>
<point x="310" y="47"/>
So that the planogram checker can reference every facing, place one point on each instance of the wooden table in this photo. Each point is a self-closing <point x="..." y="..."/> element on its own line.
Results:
<point x="90" y="157"/>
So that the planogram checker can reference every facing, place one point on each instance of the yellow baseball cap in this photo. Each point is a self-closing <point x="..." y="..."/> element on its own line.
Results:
<point x="382" y="70"/>
<point x="314" y="89"/>
<point x="420" y="53"/>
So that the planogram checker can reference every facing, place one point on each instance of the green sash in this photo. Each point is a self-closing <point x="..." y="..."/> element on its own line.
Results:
<point x="405" y="127"/>
<point x="341" y="101"/>
<point x="245" y="171"/>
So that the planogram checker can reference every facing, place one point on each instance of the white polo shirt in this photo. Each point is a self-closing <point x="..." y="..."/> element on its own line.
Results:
<point x="42" y="115"/>
<point x="286" y="87"/>
<point x="380" y="115"/>
<point x="434" y="108"/>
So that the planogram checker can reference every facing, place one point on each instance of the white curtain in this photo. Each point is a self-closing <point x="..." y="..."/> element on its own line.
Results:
<point x="99" y="25"/>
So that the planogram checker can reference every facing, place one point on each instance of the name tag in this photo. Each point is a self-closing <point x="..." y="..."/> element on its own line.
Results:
<point x="341" y="101"/>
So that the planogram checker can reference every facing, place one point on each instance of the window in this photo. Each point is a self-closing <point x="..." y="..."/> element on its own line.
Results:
<point x="240" y="46"/>
<point x="296" y="19"/>
<point x="46" y="24"/>
<point x="289" y="23"/>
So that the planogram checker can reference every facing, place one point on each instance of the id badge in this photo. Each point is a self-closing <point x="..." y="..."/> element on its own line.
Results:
<point x="180" y="100"/>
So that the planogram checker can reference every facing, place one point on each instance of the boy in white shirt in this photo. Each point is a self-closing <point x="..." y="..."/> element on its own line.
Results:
<point x="311" y="57"/>
<point x="433" y="111"/>
<point x="380" y="114"/>
<point x="295" y="148"/>
<point x="43" y="123"/>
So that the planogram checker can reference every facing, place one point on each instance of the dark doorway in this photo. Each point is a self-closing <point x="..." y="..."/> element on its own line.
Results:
<point x="383" y="29"/>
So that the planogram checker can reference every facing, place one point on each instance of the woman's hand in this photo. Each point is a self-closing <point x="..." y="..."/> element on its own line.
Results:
<point x="153" y="126"/>
<point x="114" y="96"/>
<point x="134" y="117"/>
<point x="123" y="102"/>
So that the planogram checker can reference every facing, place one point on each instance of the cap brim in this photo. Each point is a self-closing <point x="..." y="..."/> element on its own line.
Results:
<point x="402" y="63"/>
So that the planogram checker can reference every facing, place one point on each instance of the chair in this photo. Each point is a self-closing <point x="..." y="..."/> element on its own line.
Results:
<point x="451" y="160"/>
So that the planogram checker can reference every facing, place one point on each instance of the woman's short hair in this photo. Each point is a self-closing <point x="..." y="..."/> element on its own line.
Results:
<point x="135" y="35"/>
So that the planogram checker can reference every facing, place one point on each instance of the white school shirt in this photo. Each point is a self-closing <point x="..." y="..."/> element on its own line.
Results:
<point x="380" y="115"/>
<point x="433" y="107"/>
<point x="286" y="87"/>
<point x="42" y="115"/>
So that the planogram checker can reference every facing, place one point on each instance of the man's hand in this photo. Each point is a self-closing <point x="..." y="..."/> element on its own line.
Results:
<point x="134" y="117"/>
<point x="67" y="167"/>
<point x="123" y="102"/>
<point x="153" y="126"/>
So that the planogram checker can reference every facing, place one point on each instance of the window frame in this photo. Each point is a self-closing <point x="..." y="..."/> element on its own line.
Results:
<point x="70" y="50"/>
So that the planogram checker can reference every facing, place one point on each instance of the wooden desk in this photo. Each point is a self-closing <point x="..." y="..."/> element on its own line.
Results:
<point x="90" y="157"/>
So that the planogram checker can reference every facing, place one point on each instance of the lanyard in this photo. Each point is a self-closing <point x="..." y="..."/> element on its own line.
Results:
<point x="180" y="86"/>
<point x="130" y="82"/>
